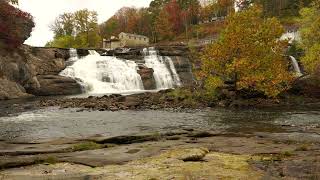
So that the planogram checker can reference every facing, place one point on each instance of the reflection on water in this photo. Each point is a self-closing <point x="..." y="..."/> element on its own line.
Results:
<point x="69" y="123"/>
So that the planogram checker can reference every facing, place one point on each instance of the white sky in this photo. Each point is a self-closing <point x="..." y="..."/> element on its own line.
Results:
<point x="45" y="12"/>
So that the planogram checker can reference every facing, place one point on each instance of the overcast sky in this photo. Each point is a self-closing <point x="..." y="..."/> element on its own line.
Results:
<point x="45" y="11"/>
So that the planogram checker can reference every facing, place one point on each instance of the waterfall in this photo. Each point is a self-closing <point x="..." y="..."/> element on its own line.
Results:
<point x="93" y="52"/>
<point x="105" y="75"/>
<point x="175" y="75"/>
<point x="111" y="75"/>
<point x="73" y="54"/>
<point x="296" y="66"/>
<point x="162" y="75"/>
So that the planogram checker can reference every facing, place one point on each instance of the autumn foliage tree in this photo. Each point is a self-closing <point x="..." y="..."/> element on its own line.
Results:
<point x="310" y="33"/>
<point x="15" y="25"/>
<point x="172" y="16"/>
<point x="249" y="53"/>
<point x="164" y="27"/>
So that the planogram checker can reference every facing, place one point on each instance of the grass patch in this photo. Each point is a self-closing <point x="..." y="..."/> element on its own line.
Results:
<point x="87" y="146"/>
<point x="286" y="154"/>
<point x="47" y="160"/>
<point x="304" y="147"/>
<point x="191" y="97"/>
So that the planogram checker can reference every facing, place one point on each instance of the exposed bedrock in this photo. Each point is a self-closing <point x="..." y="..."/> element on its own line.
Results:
<point x="22" y="72"/>
<point x="148" y="80"/>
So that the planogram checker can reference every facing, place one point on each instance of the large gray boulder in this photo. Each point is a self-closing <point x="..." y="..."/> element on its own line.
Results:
<point x="147" y="77"/>
<point x="35" y="71"/>
<point x="56" y="85"/>
<point x="11" y="90"/>
<point x="308" y="86"/>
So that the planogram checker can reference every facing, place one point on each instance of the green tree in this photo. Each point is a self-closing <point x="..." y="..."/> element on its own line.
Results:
<point x="65" y="41"/>
<point x="63" y="25"/>
<point x="79" y="29"/>
<point x="248" y="52"/>
<point x="310" y="34"/>
<point x="86" y="22"/>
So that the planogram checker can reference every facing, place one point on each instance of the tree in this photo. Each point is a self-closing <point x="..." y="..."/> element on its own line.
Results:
<point x="310" y="34"/>
<point x="174" y="15"/>
<point x="15" y="25"/>
<point x="248" y="52"/>
<point x="63" y="25"/>
<point x="86" y="22"/>
<point x="192" y="7"/>
<point x="79" y="29"/>
<point x="163" y="26"/>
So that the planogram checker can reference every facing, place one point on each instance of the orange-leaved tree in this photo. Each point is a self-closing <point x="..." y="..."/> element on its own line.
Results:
<point x="15" y="25"/>
<point x="248" y="53"/>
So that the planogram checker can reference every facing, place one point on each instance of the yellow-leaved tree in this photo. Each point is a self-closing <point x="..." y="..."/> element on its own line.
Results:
<point x="310" y="34"/>
<point x="248" y="53"/>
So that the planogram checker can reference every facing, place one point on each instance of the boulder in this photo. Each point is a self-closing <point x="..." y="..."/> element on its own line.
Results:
<point x="147" y="77"/>
<point x="35" y="70"/>
<point x="308" y="86"/>
<point x="132" y="101"/>
<point x="196" y="154"/>
<point x="11" y="90"/>
<point x="56" y="85"/>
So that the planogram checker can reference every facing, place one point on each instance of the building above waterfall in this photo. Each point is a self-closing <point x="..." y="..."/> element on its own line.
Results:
<point x="124" y="40"/>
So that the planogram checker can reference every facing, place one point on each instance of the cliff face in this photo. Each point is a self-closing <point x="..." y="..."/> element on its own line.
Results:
<point x="25" y="71"/>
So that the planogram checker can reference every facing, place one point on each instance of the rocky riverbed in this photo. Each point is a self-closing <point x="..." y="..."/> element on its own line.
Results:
<point x="54" y="143"/>
<point x="186" y="154"/>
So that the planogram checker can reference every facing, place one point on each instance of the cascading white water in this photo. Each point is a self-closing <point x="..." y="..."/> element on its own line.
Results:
<point x="105" y="75"/>
<point x="296" y="66"/>
<point x="73" y="54"/>
<point x="162" y="75"/>
<point x="175" y="75"/>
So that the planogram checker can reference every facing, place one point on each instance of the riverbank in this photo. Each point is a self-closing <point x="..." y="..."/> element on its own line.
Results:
<point x="173" y="100"/>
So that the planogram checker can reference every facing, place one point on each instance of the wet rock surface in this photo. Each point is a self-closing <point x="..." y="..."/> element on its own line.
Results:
<point x="149" y="83"/>
<point x="56" y="85"/>
<point x="160" y="100"/>
<point x="25" y="67"/>
<point x="221" y="156"/>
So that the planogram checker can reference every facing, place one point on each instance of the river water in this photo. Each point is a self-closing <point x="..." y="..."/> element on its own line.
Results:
<point x="52" y="123"/>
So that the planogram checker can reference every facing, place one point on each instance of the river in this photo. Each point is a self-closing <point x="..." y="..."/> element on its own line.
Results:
<point x="32" y="125"/>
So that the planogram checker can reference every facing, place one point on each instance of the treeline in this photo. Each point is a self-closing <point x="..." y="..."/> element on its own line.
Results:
<point x="163" y="20"/>
<point x="15" y="25"/>
<point x="277" y="8"/>
<point x="167" y="19"/>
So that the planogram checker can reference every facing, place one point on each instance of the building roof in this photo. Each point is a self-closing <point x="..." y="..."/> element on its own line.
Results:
<point x="136" y="35"/>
